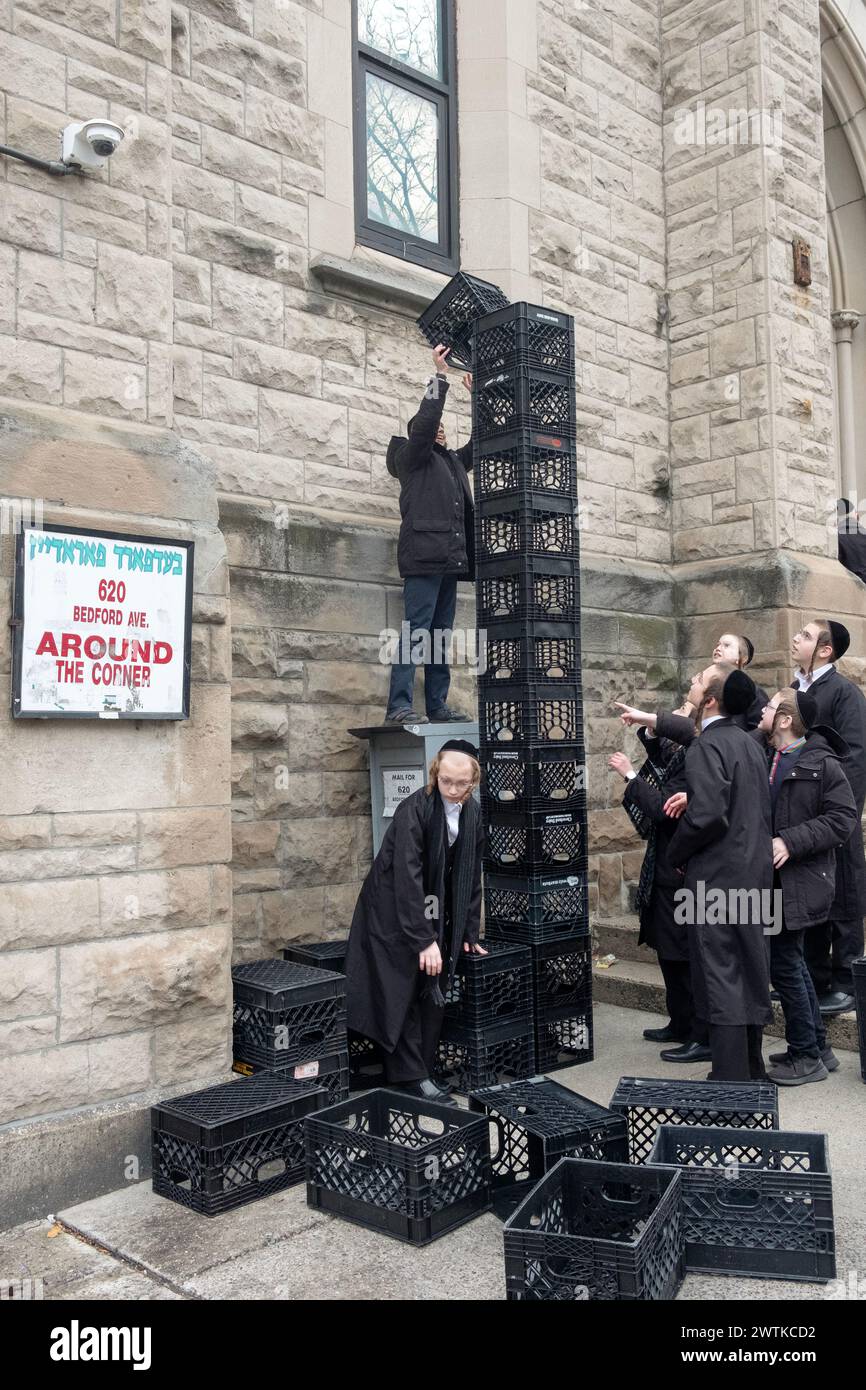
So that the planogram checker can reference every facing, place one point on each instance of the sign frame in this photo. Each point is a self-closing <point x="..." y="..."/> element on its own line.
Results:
<point x="18" y="621"/>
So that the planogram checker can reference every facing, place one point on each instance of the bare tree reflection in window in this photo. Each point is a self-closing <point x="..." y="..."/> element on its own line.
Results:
<point x="402" y="173"/>
<point x="404" y="29"/>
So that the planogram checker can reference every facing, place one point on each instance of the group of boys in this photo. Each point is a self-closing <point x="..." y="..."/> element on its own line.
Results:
<point x="755" y="871"/>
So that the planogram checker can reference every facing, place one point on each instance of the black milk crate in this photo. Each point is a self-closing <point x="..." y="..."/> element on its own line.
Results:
<point x="858" y="971"/>
<point x="550" y="778"/>
<point x="467" y="1058"/>
<point x="395" y="1164"/>
<point x="533" y="524"/>
<point x="524" y="334"/>
<point x="536" y="1122"/>
<point x="331" y="1073"/>
<point x="526" y="461"/>
<point x="212" y="1149"/>
<point x="450" y="319"/>
<point x="519" y="842"/>
<point x="533" y="908"/>
<point x="523" y="397"/>
<point x="563" y="1036"/>
<point x="648" y="1102"/>
<point x="594" y="1231"/>
<point x="755" y="1202"/>
<point x="529" y="651"/>
<point x="496" y="988"/>
<point x="322" y="955"/>
<point x="562" y="972"/>
<point x="530" y="713"/>
<point x="286" y="1013"/>
<point x="366" y="1063"/>
<point x="539" y="588"/>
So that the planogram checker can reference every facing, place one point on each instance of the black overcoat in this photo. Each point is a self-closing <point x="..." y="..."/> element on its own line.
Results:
<point x="723" y="841"/>
<point x="658" y="926"/>
<point x="841" y="705"/>
<point x="389" y="927"/>
<point x="437" y="533"/>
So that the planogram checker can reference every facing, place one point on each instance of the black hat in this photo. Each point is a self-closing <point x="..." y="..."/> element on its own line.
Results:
<point x="738" y="692"/>
<point x="808" y="707"/>
<point x="459" y="745"/>
<point x="750" y="649"/>
<point x="841" y="638"/>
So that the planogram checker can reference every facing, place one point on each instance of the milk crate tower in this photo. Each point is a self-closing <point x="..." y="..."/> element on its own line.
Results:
<point x="530" y="701"/>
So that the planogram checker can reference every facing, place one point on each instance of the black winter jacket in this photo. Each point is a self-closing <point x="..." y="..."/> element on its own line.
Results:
<point x="814" y="815"/>
<point x="438" y="529"/>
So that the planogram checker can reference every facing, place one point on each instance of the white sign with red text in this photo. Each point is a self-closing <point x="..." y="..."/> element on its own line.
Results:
<point x="103" y="625"/>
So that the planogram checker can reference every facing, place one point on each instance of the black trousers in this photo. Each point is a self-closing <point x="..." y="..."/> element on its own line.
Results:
<point x="415" y="1053"/>
<point x="736" y="1050"/>
<point x="804" y="1027"/>
<point x="830" y="949"/>
<point x="680" y="1000"/>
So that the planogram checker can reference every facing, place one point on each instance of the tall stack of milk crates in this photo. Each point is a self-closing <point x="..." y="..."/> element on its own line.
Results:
<point x="530" y="708"/>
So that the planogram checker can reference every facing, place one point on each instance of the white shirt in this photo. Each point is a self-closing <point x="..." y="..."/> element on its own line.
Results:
<point x="805" y="681"/>
<point x="712" y="719"/>
<point x="452" y="817"/>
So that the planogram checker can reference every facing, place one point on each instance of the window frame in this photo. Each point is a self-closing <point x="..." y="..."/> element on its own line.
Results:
<point x="443" y="255"/>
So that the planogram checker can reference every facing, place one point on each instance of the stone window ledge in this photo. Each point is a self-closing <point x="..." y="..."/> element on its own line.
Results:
<point x="403" y="292"/>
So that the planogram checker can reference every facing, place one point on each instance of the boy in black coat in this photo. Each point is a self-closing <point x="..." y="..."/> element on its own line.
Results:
<point x="723" y="843"/>
<point x="813" y="814"/>
<point x="435" y="548"/>
<point x="832" y="945"/>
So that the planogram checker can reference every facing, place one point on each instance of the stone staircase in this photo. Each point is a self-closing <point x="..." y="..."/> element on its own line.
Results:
<point x="635" y="981"/>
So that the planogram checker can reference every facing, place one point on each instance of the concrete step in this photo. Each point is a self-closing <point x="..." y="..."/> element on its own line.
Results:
<point x="618" y="936"/>
<point x="637" y="984"/>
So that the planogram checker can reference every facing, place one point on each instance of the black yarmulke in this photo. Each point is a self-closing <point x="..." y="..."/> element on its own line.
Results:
<point x="751" y="650"/>
<point x="459" y="745"/>
<point x="841" y="638"/>
<point x="808" y="707"/>
<point x="738" y="692"/>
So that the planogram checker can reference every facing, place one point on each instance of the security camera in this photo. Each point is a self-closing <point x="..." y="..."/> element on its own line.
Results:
<point x="89" y="144"/>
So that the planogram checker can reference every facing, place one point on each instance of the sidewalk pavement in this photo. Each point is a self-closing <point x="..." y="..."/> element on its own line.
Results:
<point x="130" y="1245"/>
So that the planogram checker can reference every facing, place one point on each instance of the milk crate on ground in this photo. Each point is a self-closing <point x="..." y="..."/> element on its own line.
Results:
<point x="755" y="1202"/>
<point x="648" y="1102"/>
<point x="534" y="1123"/>
<point x="527" y="461"/>
<point x="468" y="1058"/>
<point x="450" y="318"/>
<point x="540" y="588"/>
<point x="563" y="1036"/>
<point x="597" y="1231"/>
<point x="562" y="972"/>
<point x="520" y="841"/>
<point x="331" y="1073"/>
<point x="322" y="955"/>
<point x="533" y="908"/>
<point x="533" y="524"/>
<point x="523" y="397"/>
<point x="400" y="1165"/>
<point x="524" y="334"/>
<point x="286" y="1013"/>
<point x="858" y="970"/>
<point x="219" y="1148"/>
<point x="551" y="778"/>
<point x="494" y="988"/>
<point x="529" y="651"/>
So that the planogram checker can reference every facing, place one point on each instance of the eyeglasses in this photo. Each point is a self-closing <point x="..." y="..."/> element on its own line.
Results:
<point x="454" y="786"/>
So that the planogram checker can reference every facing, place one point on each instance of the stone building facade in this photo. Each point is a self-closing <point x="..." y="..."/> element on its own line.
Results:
<point x="195" y="342"/>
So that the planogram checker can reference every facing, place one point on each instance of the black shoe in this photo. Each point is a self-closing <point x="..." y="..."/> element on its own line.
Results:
<point x="836" y="1002"/>
<point x="449" y="716"/>
<point x="424" y="1090"/>
<point x="797" y="1071"/>
<point x="406" y="716"/>
<point x="667" y="1034"/>
<point x="828" y="1057"/>
<point x="689" y="1052"/>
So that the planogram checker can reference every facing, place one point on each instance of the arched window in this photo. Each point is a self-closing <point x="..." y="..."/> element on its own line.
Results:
<point x="406" y="129"/>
